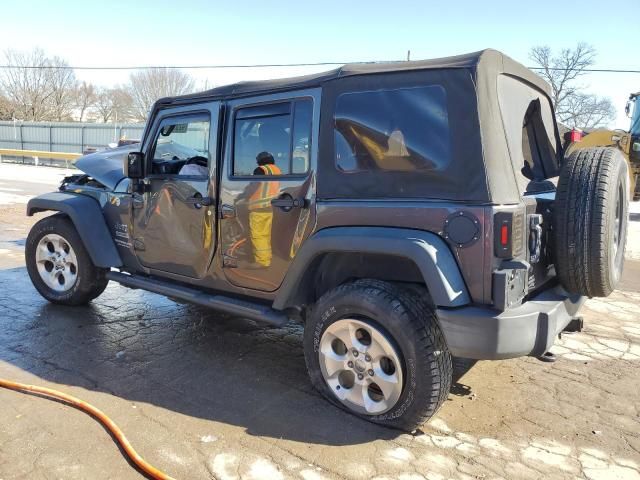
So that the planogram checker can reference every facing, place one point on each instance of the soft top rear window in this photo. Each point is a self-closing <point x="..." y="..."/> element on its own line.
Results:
<point x="528" y="123"/>
<point x="400" y="130"/>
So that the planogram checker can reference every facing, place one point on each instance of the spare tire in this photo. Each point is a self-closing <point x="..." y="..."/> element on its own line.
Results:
<point x="590" y="221"/>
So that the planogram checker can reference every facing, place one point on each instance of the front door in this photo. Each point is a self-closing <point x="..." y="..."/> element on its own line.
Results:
<point x="266" y="192"/>
<point x="174" y="219"/>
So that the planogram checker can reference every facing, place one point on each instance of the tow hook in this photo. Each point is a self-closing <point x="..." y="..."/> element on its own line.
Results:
<point x="575" y="325"/>
<point x="547" y="357"/>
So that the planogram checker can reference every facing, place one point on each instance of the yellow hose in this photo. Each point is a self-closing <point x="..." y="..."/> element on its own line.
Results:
<point x="150" y="470"/>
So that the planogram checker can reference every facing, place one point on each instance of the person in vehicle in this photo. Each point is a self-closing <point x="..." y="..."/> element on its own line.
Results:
<point x="261" y="212"/>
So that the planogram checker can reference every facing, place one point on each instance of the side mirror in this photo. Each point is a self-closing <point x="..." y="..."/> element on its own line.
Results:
<point x="134" y="165"/>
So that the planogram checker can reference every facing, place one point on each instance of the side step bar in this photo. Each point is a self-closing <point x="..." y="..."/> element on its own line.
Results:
<point x="234" y="306"/>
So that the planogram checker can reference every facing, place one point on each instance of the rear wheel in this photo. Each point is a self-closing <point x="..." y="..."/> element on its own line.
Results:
<point x="59" y="265"/>
<point x="377" y="351"/>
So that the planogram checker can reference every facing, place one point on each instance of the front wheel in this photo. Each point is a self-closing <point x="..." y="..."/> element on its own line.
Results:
<point x="59" y="265"/>
<point x="376" y="350"/>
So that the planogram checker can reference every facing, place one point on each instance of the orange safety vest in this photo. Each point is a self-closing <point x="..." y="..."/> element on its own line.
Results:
<point x="266" y="191"/>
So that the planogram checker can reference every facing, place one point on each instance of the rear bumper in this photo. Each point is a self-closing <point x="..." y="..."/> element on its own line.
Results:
<point x="530" y="329"/>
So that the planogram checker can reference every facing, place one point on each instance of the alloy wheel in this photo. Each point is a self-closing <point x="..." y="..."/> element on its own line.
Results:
<point x="56" y="263"/>
<point x="361" y="366"/>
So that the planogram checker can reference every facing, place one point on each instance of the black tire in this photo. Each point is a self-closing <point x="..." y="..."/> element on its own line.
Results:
<point x="410" y="323"/>
<point x="593" y="190"/>
<point x="90" y="280"/>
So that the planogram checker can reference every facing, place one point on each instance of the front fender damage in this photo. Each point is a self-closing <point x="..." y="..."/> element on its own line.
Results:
<point x="86" y="215"/>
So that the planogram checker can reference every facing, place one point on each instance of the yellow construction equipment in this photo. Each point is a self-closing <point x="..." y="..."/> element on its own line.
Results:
<point x="627" y="142"/>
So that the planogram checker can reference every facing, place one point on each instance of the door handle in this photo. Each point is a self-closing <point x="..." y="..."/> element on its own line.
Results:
<point x="199" y="201"/>
<point x="286" y="202"/>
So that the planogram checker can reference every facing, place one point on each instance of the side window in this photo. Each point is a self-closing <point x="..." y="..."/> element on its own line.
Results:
<point x="405" y="129"/>
<point x="302" y="123"/>
<point x="278" y="133"/>
<point x="182" y="146"/>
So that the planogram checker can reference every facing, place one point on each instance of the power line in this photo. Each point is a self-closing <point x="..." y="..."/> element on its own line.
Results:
<point x="268" y="65"/>
<point x="600" y="70"/>
<point x="182" y="67"/>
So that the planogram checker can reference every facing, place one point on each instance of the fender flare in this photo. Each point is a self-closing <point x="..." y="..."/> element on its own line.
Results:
<point x="427" y="250"/>
<point x="87" y="218"/>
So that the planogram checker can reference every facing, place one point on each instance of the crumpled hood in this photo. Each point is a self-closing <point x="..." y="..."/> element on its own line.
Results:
<point x="106" y="166"/>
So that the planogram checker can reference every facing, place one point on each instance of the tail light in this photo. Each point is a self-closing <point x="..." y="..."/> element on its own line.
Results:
<point x="510" y="284"/>
<point x="507" y="234"/>
<point x="576" y="135"/>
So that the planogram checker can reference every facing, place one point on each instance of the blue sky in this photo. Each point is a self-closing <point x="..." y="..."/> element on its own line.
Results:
<point x="246" y="31"/>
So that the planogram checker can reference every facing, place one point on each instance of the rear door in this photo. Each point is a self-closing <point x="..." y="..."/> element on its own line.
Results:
<point x="174" y="218"/>
<point x="265" y="217"/>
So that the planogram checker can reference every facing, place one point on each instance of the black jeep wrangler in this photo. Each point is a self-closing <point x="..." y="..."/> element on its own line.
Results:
<point x="404" y="212"/>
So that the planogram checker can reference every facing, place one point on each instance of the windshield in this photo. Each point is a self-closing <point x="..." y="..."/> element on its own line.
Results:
<point x="170" y="150"/>
<point x="635" y="117"/>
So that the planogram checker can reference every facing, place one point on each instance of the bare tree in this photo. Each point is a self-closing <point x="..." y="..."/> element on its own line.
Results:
<point x="147" y="86"/>
<point x="114" y="104"/>
<point x="28" y="88"/>
<point x="63" y="84"/>
<point x="42" y="88"/>
<point x="104" y="105"/>
<point x="573" y="106"/>
<point x="86" y="98"/>
<point x="7" y="108"/>
<point x="122" y="105"/>
<point x="585" y="110"/>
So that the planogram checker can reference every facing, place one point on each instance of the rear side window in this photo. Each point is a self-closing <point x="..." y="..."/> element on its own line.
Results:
<point x="399" y="130"/>
<point x="528" y="123"/>
<point x="282" y="130"/>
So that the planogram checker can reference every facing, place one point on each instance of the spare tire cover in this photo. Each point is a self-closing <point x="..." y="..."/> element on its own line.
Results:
<point x="590" y="221"/>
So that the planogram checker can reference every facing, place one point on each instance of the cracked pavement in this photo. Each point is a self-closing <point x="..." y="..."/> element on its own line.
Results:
<point x="202" y="395"/>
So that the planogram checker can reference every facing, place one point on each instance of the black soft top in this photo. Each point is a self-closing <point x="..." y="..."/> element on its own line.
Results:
<point x="485" y="61"/>
<point x="485" y="139"/>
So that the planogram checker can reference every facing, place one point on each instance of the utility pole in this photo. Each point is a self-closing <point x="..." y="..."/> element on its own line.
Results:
<point x="115" y="125"/>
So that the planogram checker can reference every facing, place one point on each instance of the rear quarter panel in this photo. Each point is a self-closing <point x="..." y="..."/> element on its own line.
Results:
<point x="473" y="260"/>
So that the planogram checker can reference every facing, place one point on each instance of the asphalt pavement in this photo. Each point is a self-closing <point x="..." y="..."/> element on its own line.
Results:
<point x="203" y="395"/>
